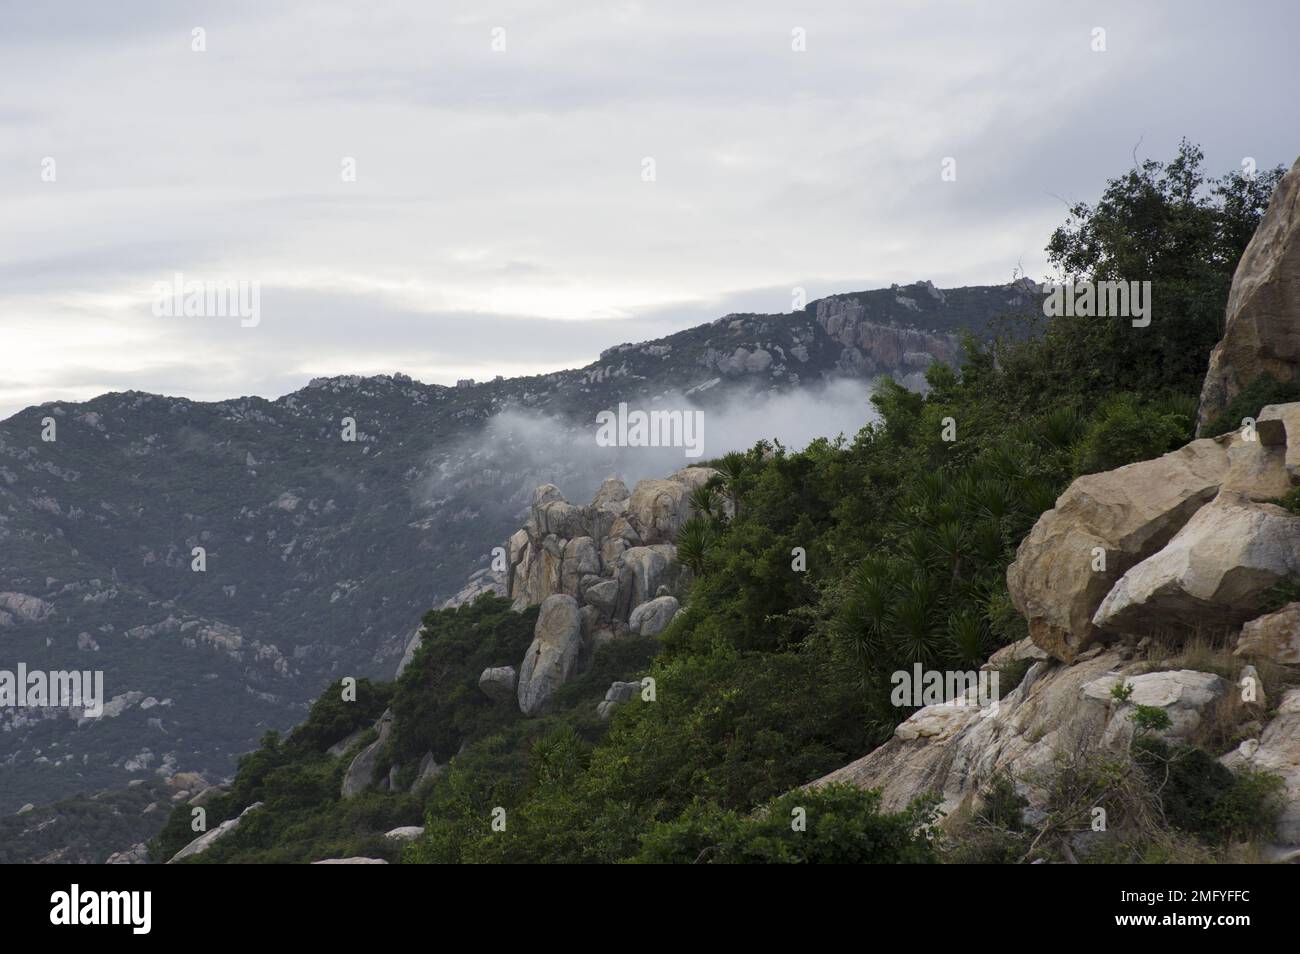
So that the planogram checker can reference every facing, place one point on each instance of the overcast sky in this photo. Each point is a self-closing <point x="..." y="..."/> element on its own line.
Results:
<point x="500" y="221"/>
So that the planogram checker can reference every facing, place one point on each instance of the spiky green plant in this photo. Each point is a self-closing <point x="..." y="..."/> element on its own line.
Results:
<point x="694" y="539"/>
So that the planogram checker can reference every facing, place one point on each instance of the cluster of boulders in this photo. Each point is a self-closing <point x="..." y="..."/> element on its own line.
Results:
<point x="1190" y="539"/>
<point x="1193" y="543"/>
<point x="599" y="572"/>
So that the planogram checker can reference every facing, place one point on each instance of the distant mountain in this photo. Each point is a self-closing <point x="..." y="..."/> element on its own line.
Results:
<point x="322" y="553"/>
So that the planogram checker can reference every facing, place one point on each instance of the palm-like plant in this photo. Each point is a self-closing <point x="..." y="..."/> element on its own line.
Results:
<point x="694" y="538"/>
<point x="704" y="501"/>
<point x="731" y="470"/>
<point x="968" y="640"/>
<point x="916" y="637"/>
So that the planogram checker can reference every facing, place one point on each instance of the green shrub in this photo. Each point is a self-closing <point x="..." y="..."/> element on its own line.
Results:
<point x="1204" y="798"/>
<point x="842" y="825"/>
<point x="1254" y="397"/>
<point x="1127" y="429"/>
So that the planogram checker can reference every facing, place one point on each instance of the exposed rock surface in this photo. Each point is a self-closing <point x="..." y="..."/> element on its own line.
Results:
<point x="1277" y="750"/>
<point x="361" y="773"/>
<point x="1274" y="636"/>
<point x="355" y="860"/>
<point x="498" y="682"/>
<point x="405" y="833"/>
<point x="1261" y="333"/>
<point x="599" y="572"/>
<point x="617" y="694"/>
<point x="208" y="838"/>
<point x="1218" y="570"/>
<point x="564" y="546"/>
<point x="427" y="769"/>
<point x="1288" y="415"/>
<point x="553" y="655"/>
<point x="137" y="854"/>
<point x="1186" y="539"/>
<point x="652" y="618"/>
<point x="1125" y="515"/>
<point x="955" y="750"/>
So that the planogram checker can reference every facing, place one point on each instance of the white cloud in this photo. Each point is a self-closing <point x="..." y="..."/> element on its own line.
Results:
<point x="508" y="184"/>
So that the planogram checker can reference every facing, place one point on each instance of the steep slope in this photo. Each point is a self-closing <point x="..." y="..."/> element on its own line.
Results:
<point x="321" y="552"/>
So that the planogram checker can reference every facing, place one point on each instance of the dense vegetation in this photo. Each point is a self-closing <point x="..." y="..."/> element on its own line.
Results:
<point x="839" y="565"/>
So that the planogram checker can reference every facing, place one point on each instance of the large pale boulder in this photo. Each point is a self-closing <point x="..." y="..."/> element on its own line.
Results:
<point x="426" y="770"/>
<point x="660" y="507"/>
<point x="1257" y="467"/>
<point x="1217" y="570"/>
<point x="653" y="617"/>
<point x="1122" y="516"/>
<point x="361" y="773"/>
<point x="1183" y="694"/>
<point x="1275" y="636"/>
<point x="1261" y="332"/>
<point x="580" y="558"/>
<point x="405" y="833"/>
<point x="498" y="682"/>
<point x="603" y="596"/>
<point x="644" y="570"/>
<point x="553" y="656"/>
<point x="617" y="694"/>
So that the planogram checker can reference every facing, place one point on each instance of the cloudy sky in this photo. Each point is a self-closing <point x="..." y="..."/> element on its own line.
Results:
<point x="500" y="221"/>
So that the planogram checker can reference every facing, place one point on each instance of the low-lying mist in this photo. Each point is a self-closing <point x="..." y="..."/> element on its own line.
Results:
<point x="519" y="449"/>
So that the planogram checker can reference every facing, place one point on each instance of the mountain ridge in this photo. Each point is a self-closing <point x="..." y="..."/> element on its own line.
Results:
<point x="321" y="554"/>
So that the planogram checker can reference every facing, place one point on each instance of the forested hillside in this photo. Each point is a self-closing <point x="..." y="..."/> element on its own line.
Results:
<point x="828" y="570"/>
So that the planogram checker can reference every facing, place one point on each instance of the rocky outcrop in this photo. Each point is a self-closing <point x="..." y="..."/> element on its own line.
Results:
<point x="652" y="618"/>
<point x="1261" y="333"/>
<point x="1288" y="416"/>
<point x="361" y="773"/>
<point x="1185" y="539"/>
<point x="1274" y="636"/>
<point x="617" y="694"/>
<point x="955" y="750"/>
<point x="554" y="653"/>
<point x="137" y="854"/>
<point x="1217" y="571"/>
<point x="599" y="572"/>
<point x="207" y="839"/>
<point x="498" y="682"/>
<point x="405" y="833"/>
<point x="1277" y="751"/>
<point x="1101" y="526"/>
<point x="569" y="549"/>
<point x="873" y="348"/>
